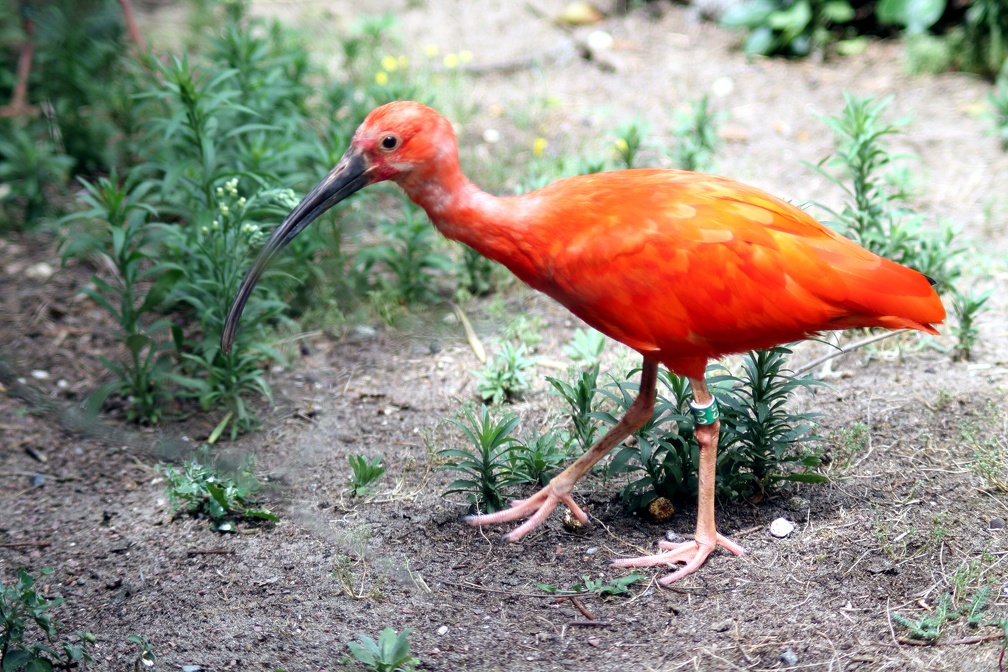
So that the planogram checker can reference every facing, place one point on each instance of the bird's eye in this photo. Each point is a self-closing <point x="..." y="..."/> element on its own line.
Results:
<point x="389" y="142"/>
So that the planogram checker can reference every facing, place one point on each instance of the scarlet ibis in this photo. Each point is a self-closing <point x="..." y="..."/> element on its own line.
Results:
<point x="682" y="267"/>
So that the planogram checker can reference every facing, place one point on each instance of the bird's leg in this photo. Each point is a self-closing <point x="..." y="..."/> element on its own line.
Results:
<point x="540" y="505"/>
<point x="693" y="553"/>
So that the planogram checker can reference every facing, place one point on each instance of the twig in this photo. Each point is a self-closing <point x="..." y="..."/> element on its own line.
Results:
<point x="474" y="341"/>
<point x="591" y="624"/>
<point x="210" y="551"/>
<point x="978" y="639"/>
<point x="850" y="347"/>
<point x="20" y="544"/>
<point x="583" y="609"/>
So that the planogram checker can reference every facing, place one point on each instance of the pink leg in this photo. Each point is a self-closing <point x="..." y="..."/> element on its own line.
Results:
<point x="537" y="507"/>
<point x="694" y="553"/>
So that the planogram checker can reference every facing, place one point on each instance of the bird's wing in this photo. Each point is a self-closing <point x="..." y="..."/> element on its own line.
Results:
<point x="667" y="260"/>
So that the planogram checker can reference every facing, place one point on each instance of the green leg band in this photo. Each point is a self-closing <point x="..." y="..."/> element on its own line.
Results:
<point x="707" y="414"/>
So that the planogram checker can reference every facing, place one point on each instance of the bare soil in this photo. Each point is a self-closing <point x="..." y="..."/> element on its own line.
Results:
<point x="885" y="536"/>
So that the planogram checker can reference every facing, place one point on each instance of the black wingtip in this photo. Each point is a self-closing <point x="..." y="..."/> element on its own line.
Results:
<point x="931" y="280"/>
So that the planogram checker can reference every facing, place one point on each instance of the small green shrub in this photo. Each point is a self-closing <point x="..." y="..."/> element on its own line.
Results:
<point x="365" y="474"/>
<point x="30" y="166"/>
<point x="503" y="376"/>
<point x="876" y="214"/>
<point x="618" y="586"/>
<point x="202" y="489"/>
<point x="585" y="346"/>
<point x="20" y="606"/>
<point x="966" y="306"/>
<point x="581" y="401"/>
<point x="485" y="466"/>
<point x="696" y="138"/>
<point x="537" y="458"/>
<point x="788" y="27"/>
<point x="998" y="100"/>
<point x="391" y="653"/>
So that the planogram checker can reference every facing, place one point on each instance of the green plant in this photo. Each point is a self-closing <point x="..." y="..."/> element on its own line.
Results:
<point x="585" y="346"/>
<point x="788" y="27"/>
<point x="984" y="40"/>
<point x="29" y="164"/>
<point x="850" y="441"/>
<point x="581" y="402"/>
<point x="989" y="448"/>
<point x="365" y="473"/>
<point x="536" y="458"/>
<point x="617" y="586"/>
<point x="134" y="247"/>
<point x="916" y="16"/>
<point x="20" y="605"/>
<point x="928" y="627"/>
<point x="503" y="376"/>
<point x="486" y="469"/>
<point x="476" y="272"/>
<point x="409" y="257"/>
<point x="202" y="489"/>
<point x="629" y="141"/>
<point x="663" y="459"/>
<point x="146" y="658"/>
<point x="696" y="136"/>
<point x="761" y="441"/>
<point x="967" y="306"/>
<point x="391" y="653"/>
<point x="876" y="214"/>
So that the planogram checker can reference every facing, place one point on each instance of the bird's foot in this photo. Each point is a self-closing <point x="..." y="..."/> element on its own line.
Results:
<point x="536" y="508"/>
<point x="691" y="553"/>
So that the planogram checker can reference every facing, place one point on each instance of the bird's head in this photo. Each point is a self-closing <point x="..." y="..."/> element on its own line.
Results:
<point x="401" y="141"/>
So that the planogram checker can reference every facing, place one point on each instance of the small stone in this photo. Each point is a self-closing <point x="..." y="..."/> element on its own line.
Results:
<point x="491" y="136"/>
<point x="721" y="626"/>
<point x="722" y="86"/>
<point x="592" y="551"/>
<point x="37" y="480"/>
<point x="673" y="538"/>
<point x="39" y="271"/>
<point x="571" y="523"/>
<point x="789" y="658"/>
<point x="781" y="528"/>
<point x="660" y="510"/>
<point x="599" y="40"/>
<point x="997" y="523"/>
<point x="39" y="374"/>
<point x="594" y="641"/>
<point x="797" y="503"/>
<point x="442" y="630"/>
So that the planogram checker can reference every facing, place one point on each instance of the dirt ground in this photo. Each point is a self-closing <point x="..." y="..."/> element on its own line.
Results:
<point x="887" y="535"/>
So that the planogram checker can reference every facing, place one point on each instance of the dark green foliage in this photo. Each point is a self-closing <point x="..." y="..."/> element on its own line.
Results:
<point x="618" y="586"/>
<point x="581" y="403"/>
<point x="537" y="458"/>
<point x="485" y="466"/>
<point x="984" y="41"/>
<point x="760" y="442"/>
<point x="916" y="16"/>
<point x="203" y="489"/>
<point x="30" y="163"/>
<point x="998" y="100"/>
<point x="966" y="306"/>
<point x="788" y="27"/>
<point x="20" y="606"/>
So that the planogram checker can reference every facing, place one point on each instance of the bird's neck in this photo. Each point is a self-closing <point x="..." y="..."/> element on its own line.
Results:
<point x="502" y="229"/>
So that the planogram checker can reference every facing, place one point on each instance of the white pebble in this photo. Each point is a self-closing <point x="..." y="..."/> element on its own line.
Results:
<point x="599" y="40"/>
<point x="39" y="374"/>
<point x="722" y="86"/>
<point x="492" y="136"/>
<point x="40" y="271"/>
<point x="442" y="630"/>
<point x="781" y="528"/>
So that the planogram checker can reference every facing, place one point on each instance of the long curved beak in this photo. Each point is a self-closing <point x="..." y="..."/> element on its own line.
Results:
<point x="350" y="175"/>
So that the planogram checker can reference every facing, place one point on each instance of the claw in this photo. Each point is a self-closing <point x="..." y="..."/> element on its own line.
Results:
<point x="691" y="553"/>
<point x="536" y="508"/>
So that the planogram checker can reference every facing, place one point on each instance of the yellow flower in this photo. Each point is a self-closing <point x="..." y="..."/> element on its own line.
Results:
<point x="389" y="63"/>
<point x="465" y="55"/>
<point x="402" y="61"/>
<point x="431" y="50"/>
<point x="621" y="145"/>
<point x="539" y="146"/>
<point x="451" y="61"/>
<point x="381" y="78"/>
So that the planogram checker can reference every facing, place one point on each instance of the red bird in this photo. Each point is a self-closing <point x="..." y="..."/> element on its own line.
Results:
<point x="682" y="267"/>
